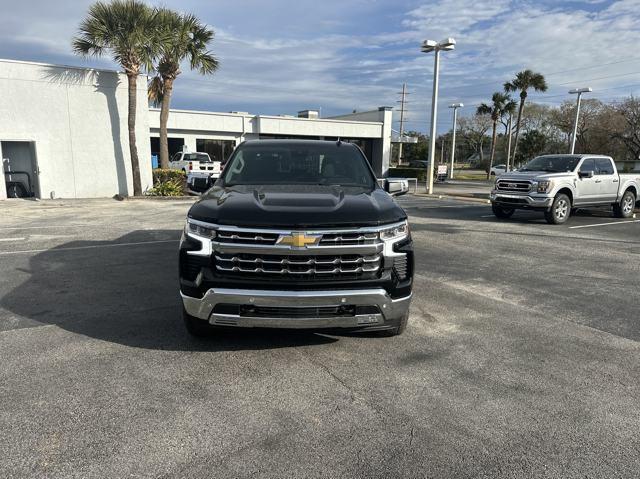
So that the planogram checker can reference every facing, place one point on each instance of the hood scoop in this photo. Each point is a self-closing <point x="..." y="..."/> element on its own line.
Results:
<point x="328" y="200"/>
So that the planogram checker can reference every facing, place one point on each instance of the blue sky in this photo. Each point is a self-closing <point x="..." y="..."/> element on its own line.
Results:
<point x="281" y="56"/>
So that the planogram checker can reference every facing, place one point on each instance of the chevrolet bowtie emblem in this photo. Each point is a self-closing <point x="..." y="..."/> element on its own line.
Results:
<point x="299" y="240"/>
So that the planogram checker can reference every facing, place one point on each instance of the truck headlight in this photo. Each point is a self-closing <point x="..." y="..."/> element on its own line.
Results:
<point x="395" y="232"/>
<point x="199" y="229"/>
<point x="545" y="186"/>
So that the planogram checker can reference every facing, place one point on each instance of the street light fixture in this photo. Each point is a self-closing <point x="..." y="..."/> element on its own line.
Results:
<point x="579" y="92"/>
<point x="455" y="107"/>
<point x="429" y="46"/>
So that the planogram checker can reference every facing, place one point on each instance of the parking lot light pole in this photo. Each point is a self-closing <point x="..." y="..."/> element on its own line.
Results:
<point x="455" y="107"/>
<point x="579" y="92"/>
<point x="429" y="46"/>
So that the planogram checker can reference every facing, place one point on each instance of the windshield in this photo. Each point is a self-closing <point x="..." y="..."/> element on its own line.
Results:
<point x="337" y="164"/>
<point x="552" y="164"/>
<point x="201" y="157"/>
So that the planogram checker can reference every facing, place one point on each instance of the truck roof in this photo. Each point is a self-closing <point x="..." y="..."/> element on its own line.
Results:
<point x="576" y="155"/>
<point x="283" y="142"/>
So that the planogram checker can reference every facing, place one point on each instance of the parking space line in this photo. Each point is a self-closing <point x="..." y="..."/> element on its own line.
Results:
<point x="74" y="248"/>
<point x="12" y="239"/>
<point x="605" y="224"/>
<point x="40" y="227"/>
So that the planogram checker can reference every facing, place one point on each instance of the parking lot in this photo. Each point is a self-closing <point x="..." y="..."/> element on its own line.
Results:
<point x="522" y="356"/>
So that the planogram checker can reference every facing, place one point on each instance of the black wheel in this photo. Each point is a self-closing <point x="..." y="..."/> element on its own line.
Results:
<point x="502" y="212"/>
<point x="625" y="208"/>
<point x="560" y="210"/>
<point x="398" y="330"/>
<point x="196" y="327"/>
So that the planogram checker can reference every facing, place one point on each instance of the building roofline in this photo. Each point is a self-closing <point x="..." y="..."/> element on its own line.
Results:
<point x="270" y="117"/>
<point x="57" y="65"/>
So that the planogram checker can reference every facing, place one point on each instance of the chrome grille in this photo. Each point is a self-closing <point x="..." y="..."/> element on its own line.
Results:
<point x="344" y="238"/>
<point x="296" y="265"/>
<point x="513" y="185"/>
<point x="246" y="237"/>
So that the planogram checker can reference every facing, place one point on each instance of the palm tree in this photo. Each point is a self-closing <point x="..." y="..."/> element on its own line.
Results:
<point x="183" y="37"/>
<point x="509" y="109"/>
<point x="125" y="30"/>
<point x="524" y="81"/>
<point x="499" y="102"/>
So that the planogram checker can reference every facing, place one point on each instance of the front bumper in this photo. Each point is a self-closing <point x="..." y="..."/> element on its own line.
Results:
<point x="389" y="311"/>
<point x="524" y="201"/>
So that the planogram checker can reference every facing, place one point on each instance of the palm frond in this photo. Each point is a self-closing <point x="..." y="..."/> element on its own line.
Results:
<point x="155" y="91"/>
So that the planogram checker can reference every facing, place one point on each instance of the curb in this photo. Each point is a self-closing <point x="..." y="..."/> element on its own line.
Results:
<point x="160" y="198"/>
<point x="473" y="199"/>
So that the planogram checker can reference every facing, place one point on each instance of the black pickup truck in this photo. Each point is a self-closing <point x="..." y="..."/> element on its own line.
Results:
<point x="297" y="234"/>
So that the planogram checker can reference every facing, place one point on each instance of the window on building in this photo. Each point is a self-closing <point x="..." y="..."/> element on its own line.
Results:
<point x="219" y="150"/>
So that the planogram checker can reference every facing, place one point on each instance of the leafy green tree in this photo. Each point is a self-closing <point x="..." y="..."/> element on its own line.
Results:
<point x="181" y="38"/>
<point x="533" y="144"/>
<point x="523" y="82"/>
<point x="629" y="131"/>
<point x="416" y="151"/>
<point x="125" y="30"/>
<point x="499" y="103"/>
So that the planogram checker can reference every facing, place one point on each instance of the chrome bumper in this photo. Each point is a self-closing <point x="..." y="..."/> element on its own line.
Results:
<point x="391" y="310"/>
<point x="515" y="200"/>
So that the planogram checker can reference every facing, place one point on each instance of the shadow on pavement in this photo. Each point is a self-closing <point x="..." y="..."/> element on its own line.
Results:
<point x="125" y="291"/>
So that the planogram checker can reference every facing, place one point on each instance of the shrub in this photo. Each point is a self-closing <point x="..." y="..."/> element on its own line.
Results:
<point x="406" y="172"/>
<point x="168" y="182"/>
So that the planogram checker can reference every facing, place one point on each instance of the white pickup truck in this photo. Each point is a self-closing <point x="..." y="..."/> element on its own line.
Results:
<point x="197" y="162"/>
<point x="558" y="184"/>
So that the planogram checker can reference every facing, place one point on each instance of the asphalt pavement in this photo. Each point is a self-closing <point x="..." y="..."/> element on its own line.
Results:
<point x="522" y="356"/>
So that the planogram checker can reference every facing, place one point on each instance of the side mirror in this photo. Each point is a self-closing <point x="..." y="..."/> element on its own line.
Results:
<point x="396" y="186"/>
<point x="586" y="174"/>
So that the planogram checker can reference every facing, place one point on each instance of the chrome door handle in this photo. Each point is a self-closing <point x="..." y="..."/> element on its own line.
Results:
<point x="598" y="181"/>
<point x="615" y="181"/>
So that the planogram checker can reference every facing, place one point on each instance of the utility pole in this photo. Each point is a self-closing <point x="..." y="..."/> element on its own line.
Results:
<point x="403" y="101"/>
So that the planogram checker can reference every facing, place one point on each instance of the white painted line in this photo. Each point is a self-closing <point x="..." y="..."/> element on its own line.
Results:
<point x="74" y="248"/>
<point x="487" y="216"/>
<point x="40" y="227"/>
<point x="12" y="239"/>
<point x="605" y="224"/>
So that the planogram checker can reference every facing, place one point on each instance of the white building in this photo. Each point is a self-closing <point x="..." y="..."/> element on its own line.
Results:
<point x="63" y="131"/>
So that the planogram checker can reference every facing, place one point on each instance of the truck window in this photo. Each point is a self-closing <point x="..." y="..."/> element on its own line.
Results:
<point x="588" y="165"/>
<point x="327" y="164"/>
<point x="604" y="166"/>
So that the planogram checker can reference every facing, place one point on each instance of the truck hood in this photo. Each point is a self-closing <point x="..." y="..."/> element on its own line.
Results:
<point x="296" y="206"/>
<point x="532" y="175"/>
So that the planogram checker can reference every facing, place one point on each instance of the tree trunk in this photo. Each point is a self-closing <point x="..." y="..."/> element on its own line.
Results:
<point x="515" y="141"/>
<point x="133" y="150"/>
<point x="164" y="118"/>
<point x="494" y="137"/>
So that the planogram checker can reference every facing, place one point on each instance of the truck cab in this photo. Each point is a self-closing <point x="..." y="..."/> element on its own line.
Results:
<point x="556" y="184"/>
<point x="297" y="234"/>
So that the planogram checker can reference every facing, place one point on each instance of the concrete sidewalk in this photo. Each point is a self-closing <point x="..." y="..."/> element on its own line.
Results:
<point x="463" y="189"/>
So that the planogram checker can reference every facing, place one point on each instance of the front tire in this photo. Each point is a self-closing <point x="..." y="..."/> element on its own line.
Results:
<point x="198" y="328"/>
<point x="560" y="210"/>
<point x="625" y="208"/>
<point x="502" y="212"/>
